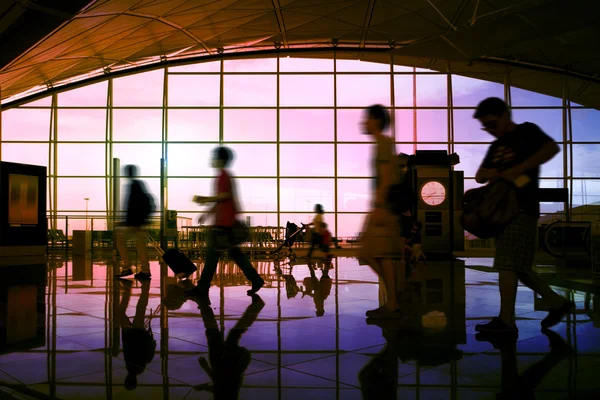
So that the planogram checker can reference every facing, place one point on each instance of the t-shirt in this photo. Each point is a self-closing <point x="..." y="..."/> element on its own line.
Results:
<point x="384" y="155"/>
<point x="512" y="149"/>
<point x="225" y="211"/>
<point x="416" y="237"/>
<point x="317" y="221"/>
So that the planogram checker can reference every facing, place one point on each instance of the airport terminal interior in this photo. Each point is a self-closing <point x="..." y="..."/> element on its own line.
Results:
<point x="90" y="87"/>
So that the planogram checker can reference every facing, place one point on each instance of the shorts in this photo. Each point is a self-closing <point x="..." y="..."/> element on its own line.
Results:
<point x="515" y="246"/>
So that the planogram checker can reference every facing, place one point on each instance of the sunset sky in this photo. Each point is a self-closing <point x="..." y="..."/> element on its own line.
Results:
<point x="306" y="114"/>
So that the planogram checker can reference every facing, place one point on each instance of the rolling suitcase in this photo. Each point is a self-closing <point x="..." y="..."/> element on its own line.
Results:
<point x="175" y="259"/>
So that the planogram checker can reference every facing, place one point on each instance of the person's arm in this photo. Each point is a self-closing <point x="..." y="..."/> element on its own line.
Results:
<point x="485" y="173"/>
<point x="385" y="180"/>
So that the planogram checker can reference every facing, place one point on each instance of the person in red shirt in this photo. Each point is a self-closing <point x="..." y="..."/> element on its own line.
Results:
<point x="219" y="239"/>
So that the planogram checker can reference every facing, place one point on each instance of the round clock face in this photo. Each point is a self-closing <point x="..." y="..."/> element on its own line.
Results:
<point x="433" y="193"/>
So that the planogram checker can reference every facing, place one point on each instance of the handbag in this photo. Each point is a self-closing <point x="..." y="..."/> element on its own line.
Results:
<point x="489" y="209"/>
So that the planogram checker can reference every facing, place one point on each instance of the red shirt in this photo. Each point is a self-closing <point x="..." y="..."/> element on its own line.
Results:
<point x="326" y="237"/>
<point x="225" y="210"/>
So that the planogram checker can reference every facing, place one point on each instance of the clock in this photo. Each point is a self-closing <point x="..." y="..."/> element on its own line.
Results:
<point x="433" y="193"/>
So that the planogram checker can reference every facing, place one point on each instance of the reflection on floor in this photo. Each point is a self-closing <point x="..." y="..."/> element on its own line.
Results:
<point x="304" y="337"/>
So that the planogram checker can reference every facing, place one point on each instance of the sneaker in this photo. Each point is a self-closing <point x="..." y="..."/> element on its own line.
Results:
<point x="124" y="273"/>
<point x="143" y="276"/>
<point x="256" y="285"/>
<point x="496" y="326"/>
<point x="554" y="316"/>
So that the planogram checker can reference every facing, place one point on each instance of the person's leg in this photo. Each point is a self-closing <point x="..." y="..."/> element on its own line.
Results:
<point x="210" y="267"/>
<point x="142" y="249"/>
<point x="121" y="235"/>
<point x="245" y="265"/>
<point x="313" y="243"/>
<point x="507" y="282"/>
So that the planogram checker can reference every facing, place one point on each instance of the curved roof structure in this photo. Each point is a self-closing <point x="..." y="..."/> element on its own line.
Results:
<point x="548" y="46"/>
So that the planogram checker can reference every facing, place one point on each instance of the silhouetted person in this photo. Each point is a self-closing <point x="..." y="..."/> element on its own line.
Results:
<point x="319" y="290"/>
<point x="317" y="231"/>
<point x="521" y="387"/>
<point x="140" y="205"/>
<point x="516" y="156"/>
<point x="227" y="360"/>
<point x="381" y="241"/>
<point x="225" y="210"/>
<point x="138" y="342"/>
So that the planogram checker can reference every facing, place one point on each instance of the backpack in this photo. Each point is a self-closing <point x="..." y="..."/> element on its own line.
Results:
<point x="147" y="205"/>
<point x="487" y="210"/>
<point x="401" y="195"/>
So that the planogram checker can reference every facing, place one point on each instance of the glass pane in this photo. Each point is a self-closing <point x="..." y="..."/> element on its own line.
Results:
<point x="190" y="160"/>
<point x="81" y="159"/>
<point x="26" y="153"/>
<point x="257" y="195"/>
<point x="72" y="192"/>
<point x="585" y="160"/>
<point x="432" y="90"/>
<point x="468" y="129"/>
<point x="250" y="125"/>
<point x="586" y="192"/>
<point x="549" y="121"/>
<point x="254" y="159"/>
<point x="194" y="90"/>
<point x="470" y="183"/>
<point x="554" y="167"/>
<point x="26" y="124"/>
<point x="306" y="90"/>
<point x="251" y="65"/>
<point x="137" y="125"/>
<point x="361" y="66"/>
<point x="354" y="195"/>
<point x="432" y="125"/>
<point x="431" y="147"/>
<point x="468" y="92"/>
<point x="288" y="64"/>
<point x="585" y="124"/>
<point x="355" y="160"/>
<point x="403" y="90"/>
<point x="144" y="89"/>
<point x="261" y="219"/>
<point x="363" y="90"/>
<point x="402" y="68"/>
<point x="304" y="194"/>
<point x="81" y="125"/>
<point x="350" y="126"/>
<point x="305" y="218"/>
<point x="404" y="123"/>
<point x="521" y="97"/>
<point x="350" y="225"/>
<point x="193" y="125"/>
<point x="307" y="125"/>
<point x="145" y="156"/>
<point x="209" y="66"/>
<point x="182" y="190"/>
<point x="87" y="96"/>
<point x="306" y="160"/>
<point x="471" y="157"/>
<point x="250" y="90"/>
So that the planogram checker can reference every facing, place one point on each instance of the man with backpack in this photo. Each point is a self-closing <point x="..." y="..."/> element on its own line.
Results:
<point x="515" y="156"/>
<point x="139" y="207"/>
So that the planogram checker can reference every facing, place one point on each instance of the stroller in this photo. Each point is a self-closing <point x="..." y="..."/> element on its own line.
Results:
<point x="292" y="233"/>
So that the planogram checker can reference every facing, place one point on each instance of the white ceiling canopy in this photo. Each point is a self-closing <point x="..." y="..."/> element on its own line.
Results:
<point x="548" y="46"/>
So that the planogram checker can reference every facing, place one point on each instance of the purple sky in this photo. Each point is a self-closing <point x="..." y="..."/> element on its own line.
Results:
<point x="189" y="162"/>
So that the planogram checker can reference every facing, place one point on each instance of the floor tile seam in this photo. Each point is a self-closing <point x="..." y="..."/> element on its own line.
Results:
<point x="299" y="362"/>
<point x="3" y="371"/>
<point x="320" y="377"/>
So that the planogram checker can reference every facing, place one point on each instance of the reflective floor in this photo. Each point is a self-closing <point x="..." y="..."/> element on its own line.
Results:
<point x="303" y="338"/>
